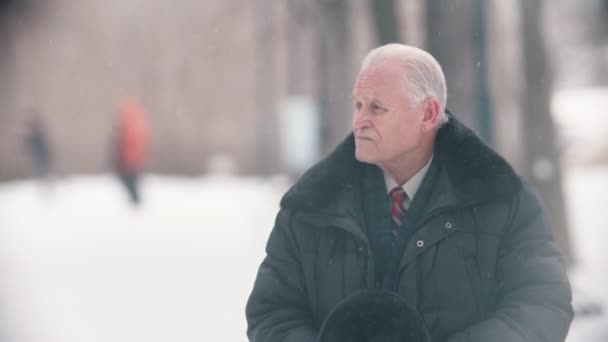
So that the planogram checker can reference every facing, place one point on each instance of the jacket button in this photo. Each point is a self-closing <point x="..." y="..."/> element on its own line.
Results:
<point x="448" y="225"/>
<point x="420" y="243"/>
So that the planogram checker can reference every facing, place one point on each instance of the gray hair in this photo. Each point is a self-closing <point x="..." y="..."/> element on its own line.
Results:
<point x="422" y="76"/>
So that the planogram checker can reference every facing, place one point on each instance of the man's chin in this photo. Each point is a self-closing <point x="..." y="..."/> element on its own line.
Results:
<point x="363" y="157"/>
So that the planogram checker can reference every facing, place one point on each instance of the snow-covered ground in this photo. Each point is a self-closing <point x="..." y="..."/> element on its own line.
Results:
<point x="586" y="190"/>
<point x="79" y="264"/>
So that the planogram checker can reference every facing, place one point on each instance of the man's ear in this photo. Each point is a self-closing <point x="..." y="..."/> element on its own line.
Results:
<point x="430" y="108"/>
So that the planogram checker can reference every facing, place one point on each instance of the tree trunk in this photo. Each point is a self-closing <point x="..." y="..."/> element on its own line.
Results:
<point x="456" y="38"/>
<point x="484" y="111"/>
<point x="334" y="68"/>
<point x="386" y="21"/>
<point x="604" y="16"/>
<point x="6" y="86"/>
<point x="265" y="62"/>
<point x="542" y="165"/>
<point x="298" y="13"/>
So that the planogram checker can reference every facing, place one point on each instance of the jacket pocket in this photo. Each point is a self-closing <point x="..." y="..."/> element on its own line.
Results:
<point x="338" y="268"/>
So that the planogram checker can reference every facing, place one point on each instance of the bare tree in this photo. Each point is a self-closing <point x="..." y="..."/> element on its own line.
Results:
<point x="334" y="70"/>
<point x="484" y="111"/>
<point x="386" y="21"/>
<point x="605" y="19"/>
<point x="604" y="36"/>
<point x="456" y="37"/>
<point x="7" y="15"/>
<point x="542" y="166"/>
<point x="297" y="23"/>
<point x="265" y="87"/>
<point x="597" y="33"/>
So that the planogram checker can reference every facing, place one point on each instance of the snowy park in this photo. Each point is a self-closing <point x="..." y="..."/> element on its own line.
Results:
<point x="145" y="147"/>
<point x="80" y="264"/>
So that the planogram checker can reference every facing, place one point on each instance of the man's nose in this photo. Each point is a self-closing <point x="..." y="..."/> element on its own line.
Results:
<point x="361" y="121"/>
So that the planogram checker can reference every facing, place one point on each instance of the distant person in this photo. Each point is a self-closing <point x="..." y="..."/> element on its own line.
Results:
<point x="131" y="146"/>
<point x="38" y="145"/>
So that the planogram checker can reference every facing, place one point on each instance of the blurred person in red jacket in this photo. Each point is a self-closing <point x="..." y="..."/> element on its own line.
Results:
<point x="131" y="146"/>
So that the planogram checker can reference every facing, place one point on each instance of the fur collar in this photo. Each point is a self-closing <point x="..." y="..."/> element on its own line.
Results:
<point x="474" y="171"/>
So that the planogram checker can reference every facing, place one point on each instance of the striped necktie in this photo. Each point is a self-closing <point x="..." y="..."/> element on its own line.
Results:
<point x="398" y="209"/>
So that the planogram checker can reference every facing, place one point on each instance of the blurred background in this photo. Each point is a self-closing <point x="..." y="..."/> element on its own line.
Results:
<point x="144" y="145"/>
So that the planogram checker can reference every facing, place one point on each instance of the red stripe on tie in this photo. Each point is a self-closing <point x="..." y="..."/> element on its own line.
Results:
<point x="399" y="197"/>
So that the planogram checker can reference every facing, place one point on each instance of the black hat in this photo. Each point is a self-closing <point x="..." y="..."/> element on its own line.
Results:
<point x="373" y="316"/>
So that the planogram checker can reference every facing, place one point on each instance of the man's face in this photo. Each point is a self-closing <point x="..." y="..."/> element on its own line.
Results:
<point x="386" y="125"/>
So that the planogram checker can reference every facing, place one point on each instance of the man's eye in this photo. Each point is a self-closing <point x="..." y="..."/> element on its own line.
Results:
<point x="358" y="105"/>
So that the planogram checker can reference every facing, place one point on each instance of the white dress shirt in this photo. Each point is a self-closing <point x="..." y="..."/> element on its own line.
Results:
<point x="411" y="186"/>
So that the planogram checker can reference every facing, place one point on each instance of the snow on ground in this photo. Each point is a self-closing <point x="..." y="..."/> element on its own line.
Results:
<point x="81" y="265"/>
<point x="586" y="190"/>
<point x="77" y="264"/>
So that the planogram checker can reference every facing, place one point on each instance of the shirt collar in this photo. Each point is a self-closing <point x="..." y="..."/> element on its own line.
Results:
<point x="411" y="186"/>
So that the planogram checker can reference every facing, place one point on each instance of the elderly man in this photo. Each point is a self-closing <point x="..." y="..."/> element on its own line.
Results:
<point x="415" y="203"/>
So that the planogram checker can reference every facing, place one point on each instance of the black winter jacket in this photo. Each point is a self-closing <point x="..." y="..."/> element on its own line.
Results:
<point x="481" y="265"/>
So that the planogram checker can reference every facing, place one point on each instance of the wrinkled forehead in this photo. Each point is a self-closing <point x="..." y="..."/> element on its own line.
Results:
<point x="380" y="77"/>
